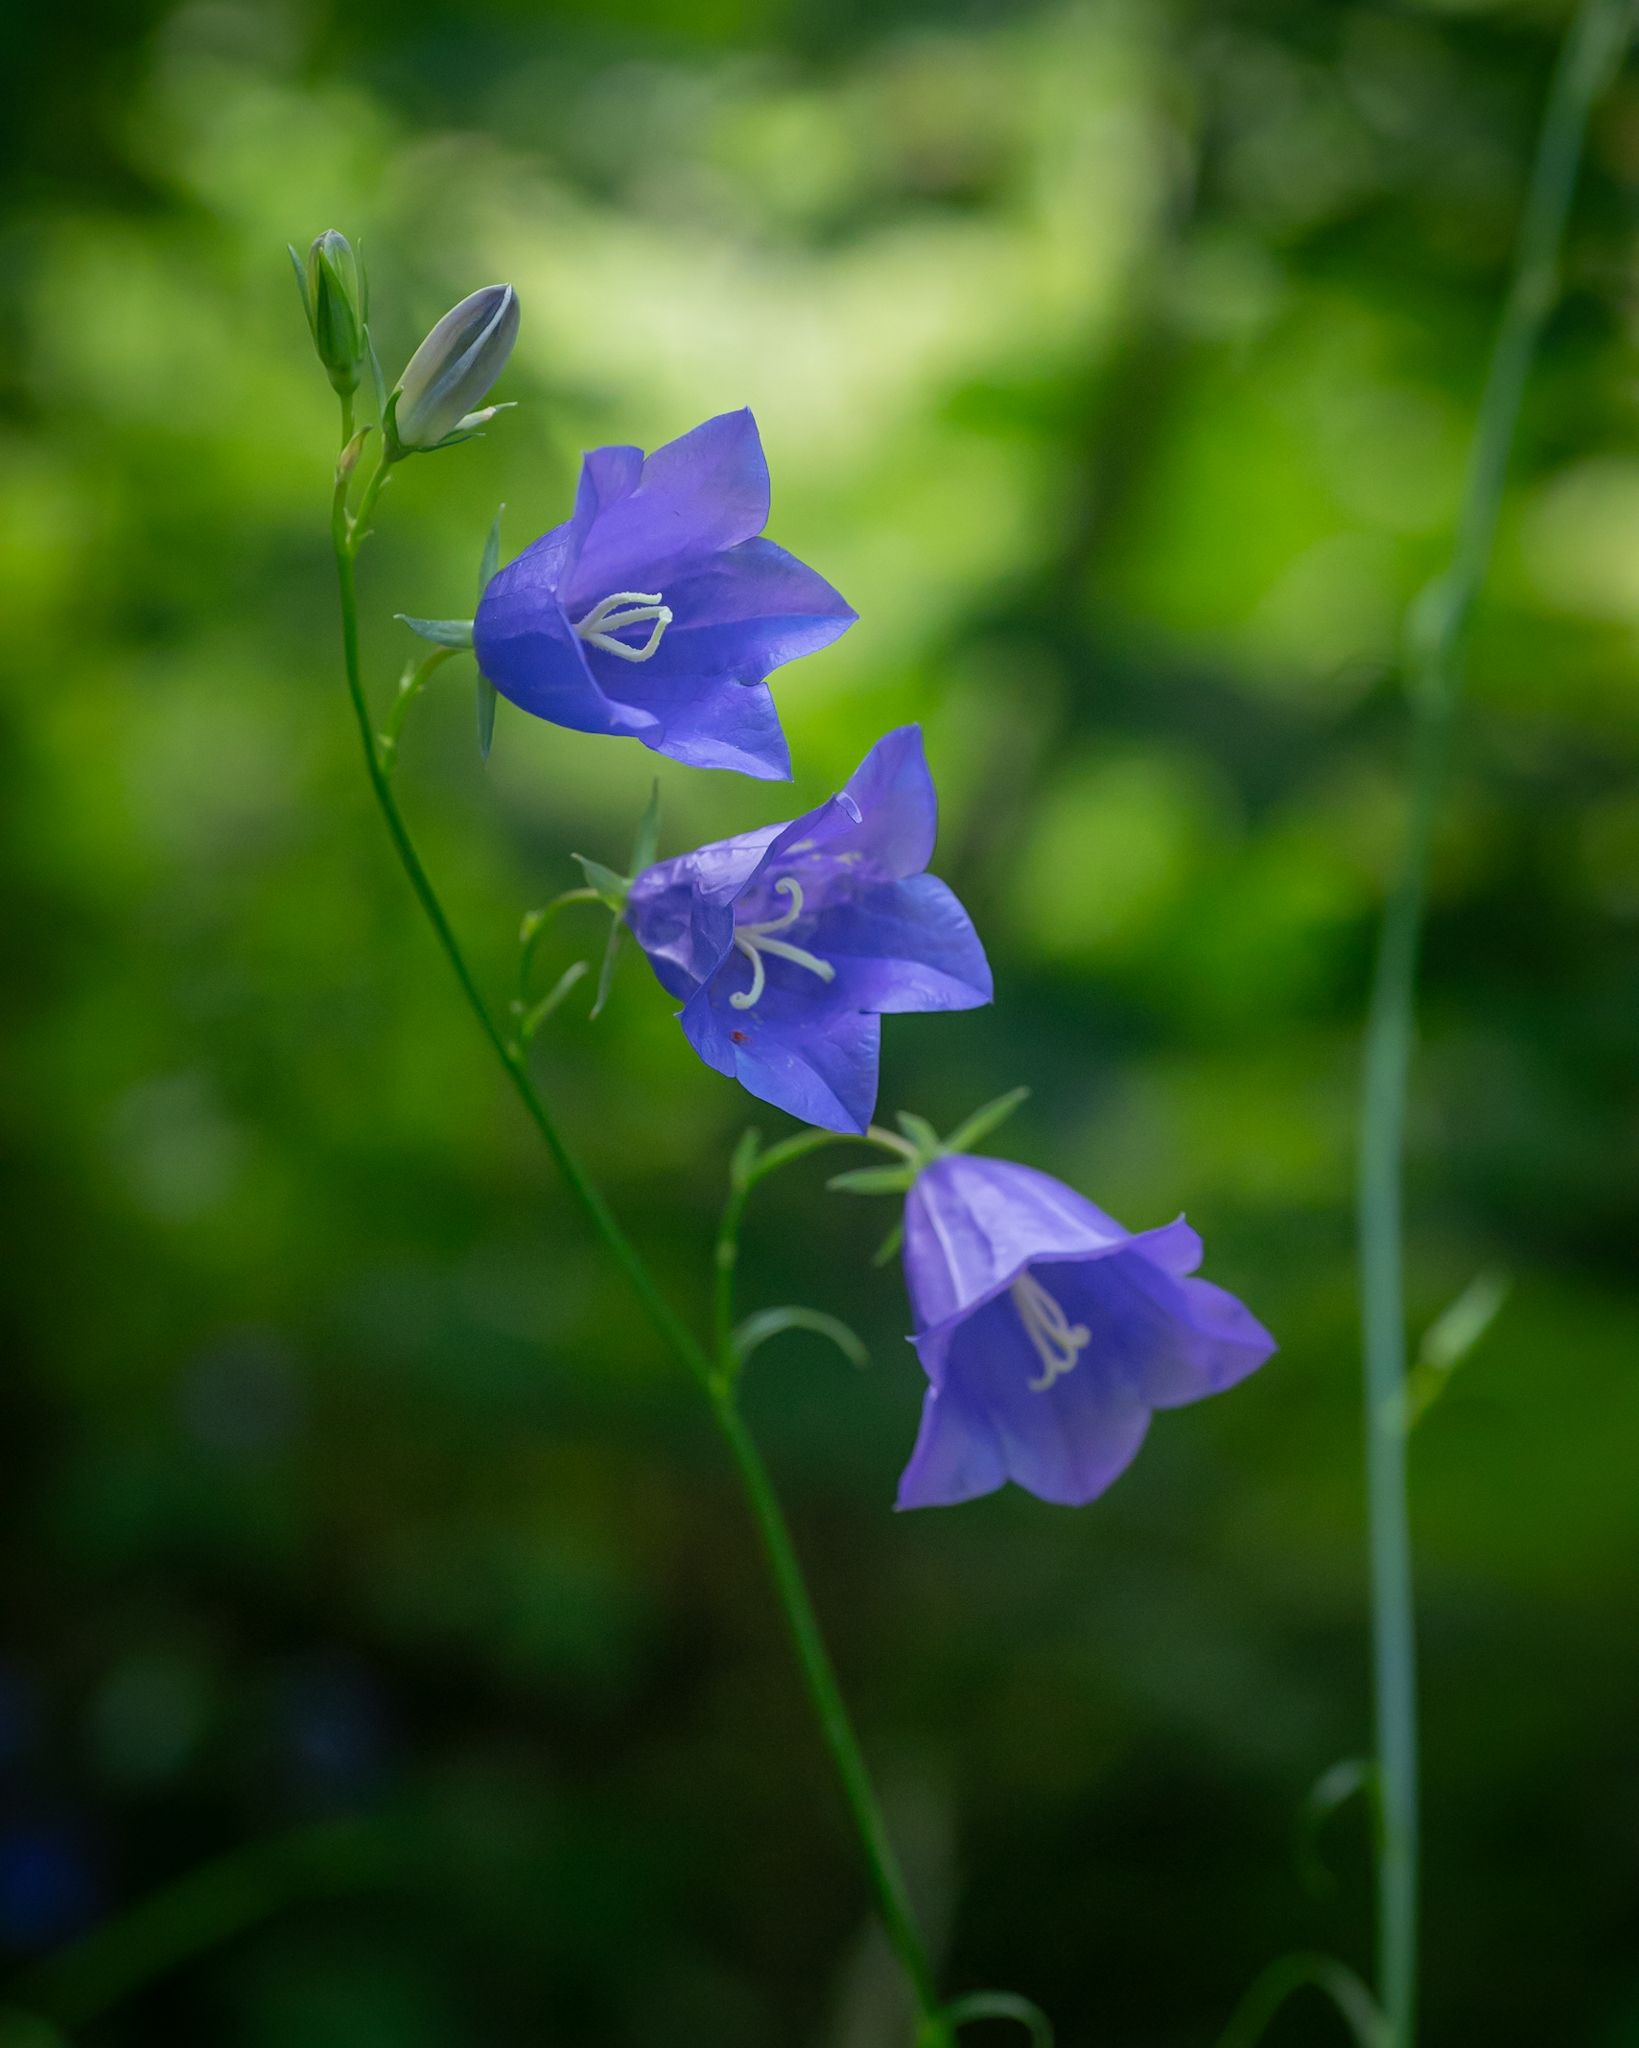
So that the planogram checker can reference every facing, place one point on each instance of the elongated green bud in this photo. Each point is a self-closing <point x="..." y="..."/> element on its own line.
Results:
<point x="335" y="296"/>
<point x="452" y="371"/>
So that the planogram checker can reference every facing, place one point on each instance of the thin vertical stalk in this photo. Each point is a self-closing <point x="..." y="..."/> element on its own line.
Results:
<point x="887" y="1880"/>
<point x="1436" y="640"/>
<point x="888" y="1888"/>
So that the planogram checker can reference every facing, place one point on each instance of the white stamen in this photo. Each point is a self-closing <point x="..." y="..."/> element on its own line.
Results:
<point x="754" y="940"/>
<point x="1059" y="1342"/>
<point x="623" y="608"/>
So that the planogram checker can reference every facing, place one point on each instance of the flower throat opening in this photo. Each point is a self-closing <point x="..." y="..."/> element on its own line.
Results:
<point x="1059" y="1343"/>
<point x="623" y="608"/>
<point x="754" y="940"/>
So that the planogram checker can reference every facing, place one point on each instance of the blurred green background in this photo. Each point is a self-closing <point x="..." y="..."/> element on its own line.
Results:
<point x="1117" y="362"/>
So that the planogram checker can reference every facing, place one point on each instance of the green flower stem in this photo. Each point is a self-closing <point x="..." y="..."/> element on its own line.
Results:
<point x="357" y="527"/>
<point x="535" y="929"/>
<point x="1434" y="669"/>
<point x="751" y="1166"/>
<point x="410" y="685"/>
<point x="887" y="1879"/>
<point x="347" y="536"/>
<point x="887" y="1883"/>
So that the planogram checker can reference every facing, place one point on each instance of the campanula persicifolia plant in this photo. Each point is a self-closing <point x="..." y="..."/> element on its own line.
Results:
<point x="657" y="611"/>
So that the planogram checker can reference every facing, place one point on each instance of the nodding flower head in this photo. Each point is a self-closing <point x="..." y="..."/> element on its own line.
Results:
<point x="787" y="946"/>
<point x="1049" y="1333"/>
<point x="657" y="610"/>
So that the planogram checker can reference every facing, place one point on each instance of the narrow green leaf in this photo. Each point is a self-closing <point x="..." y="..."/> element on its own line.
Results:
<point x="888" y="1249"/>
<point x="648" y="831"/>
<point x="606" y="974"/>
<point x="484" y="705"/>
<point x="745" y="1156"/>
<point x="920" y="1132"/>
<point x="485" y="702"/>
<point x="772" y="1322"/>
<point x="1450" y="1338"/>
<point x="979" y="1126"/>
<point x="1334" y="1788"/>
<point x="300" y="269"/>
<point x="348" y="460"/>
<point x="492" y="553"/>
<point x="378" y="383"/>
<point x="441" y="632"/>
<point x="872" y="1180"/>
<point x="612" y="889"/>
<point x="532" y="1020"/>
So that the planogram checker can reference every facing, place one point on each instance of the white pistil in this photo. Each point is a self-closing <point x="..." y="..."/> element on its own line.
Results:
<point x="1059" y="1342"/>
<point x="754" y="940"/>
<point x="623" y="608"/>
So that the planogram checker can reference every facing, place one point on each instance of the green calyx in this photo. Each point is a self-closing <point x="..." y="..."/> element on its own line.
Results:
<point x="918" y="1145"/>
<point x="612" y="889"/>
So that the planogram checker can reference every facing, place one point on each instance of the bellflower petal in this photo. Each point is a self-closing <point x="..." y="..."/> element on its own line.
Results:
<point x="986" y="1423"/>
<point x="787" y="946"/>
<point x="906" y="946"/>
<point x="886" y="814"/>
<point x="720" y="724"/>
<point x="1049" y="1333"/>
<point x="682" y="909"/>
<point x="642" y="516"/>
<point x="658" y="610"/>
<point x="820" y="1068"/>
<point x="756" y="608"/>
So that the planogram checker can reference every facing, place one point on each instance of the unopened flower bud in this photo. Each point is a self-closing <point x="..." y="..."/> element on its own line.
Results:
<point x="336" y="298"/>
<point x="453" y="369"/>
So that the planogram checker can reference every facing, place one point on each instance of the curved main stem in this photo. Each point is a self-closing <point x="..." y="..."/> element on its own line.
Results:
<point x="887" y="1882"/>
<point x="659" y="1311"/>
<point x="1434" y="664"/>
<point x="819" y="1675"/>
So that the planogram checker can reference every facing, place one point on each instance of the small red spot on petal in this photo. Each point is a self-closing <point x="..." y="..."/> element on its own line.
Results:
<point x="739" y="1037"/>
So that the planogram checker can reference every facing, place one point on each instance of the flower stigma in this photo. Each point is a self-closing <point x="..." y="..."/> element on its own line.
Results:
<point x="754" y="940"/>
<point x="614" y="613"/>
<point x="1059" y="1342"/>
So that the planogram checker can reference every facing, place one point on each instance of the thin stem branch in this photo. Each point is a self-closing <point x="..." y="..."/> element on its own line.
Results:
<point x="1282" y="1980"/>
<point x="535" y="929"/>
<point x="414" y="680"/>
<point x="1436" y="641"/>
<point x="887" y="1883"/>
<point x="743" y="1178"/>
